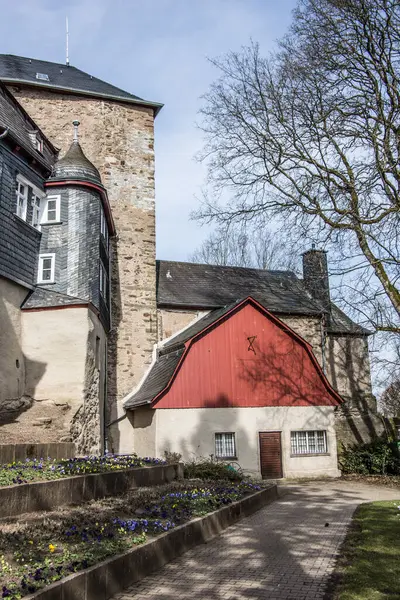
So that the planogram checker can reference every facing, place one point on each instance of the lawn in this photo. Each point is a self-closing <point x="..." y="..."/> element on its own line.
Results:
<point x="369" y="567"/>
<point x="46" y="548"/>
<point x="46" y="469"/>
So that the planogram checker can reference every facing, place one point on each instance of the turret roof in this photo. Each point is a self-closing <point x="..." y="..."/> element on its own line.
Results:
<point x="74" y="165"/>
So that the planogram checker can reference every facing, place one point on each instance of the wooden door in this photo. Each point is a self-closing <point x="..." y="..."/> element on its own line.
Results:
<point x="271" y="455"/>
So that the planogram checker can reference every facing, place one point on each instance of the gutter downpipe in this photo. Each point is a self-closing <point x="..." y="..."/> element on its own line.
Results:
<point x="5" y="133"/>
<point x="323" y="337"/>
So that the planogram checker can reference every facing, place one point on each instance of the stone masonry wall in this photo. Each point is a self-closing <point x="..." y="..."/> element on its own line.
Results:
<point x="172" y="321"/>
<point x="119" y="139"/>
<point x="309" y="328"/>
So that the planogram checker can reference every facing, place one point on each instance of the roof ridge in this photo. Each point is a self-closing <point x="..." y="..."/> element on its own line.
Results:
<point x="184" y="262"/>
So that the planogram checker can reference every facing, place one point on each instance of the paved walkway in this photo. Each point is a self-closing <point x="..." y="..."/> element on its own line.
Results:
<point x="284" y="551"/>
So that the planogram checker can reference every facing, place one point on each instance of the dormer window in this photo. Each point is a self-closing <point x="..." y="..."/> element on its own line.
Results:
<point x="39" y="144"/>
<point x="42" y="76"/>
<point x="36" y="140"/>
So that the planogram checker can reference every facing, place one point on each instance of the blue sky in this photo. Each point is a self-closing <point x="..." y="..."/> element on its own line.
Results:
<point x="156" y="49"/>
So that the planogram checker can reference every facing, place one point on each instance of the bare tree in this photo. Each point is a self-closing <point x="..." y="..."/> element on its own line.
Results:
<point x="246" y="247"/>
<point x="390" y="400"/>
<point x="311" y="134"/>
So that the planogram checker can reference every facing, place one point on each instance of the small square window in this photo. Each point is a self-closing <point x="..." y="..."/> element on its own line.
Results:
<point x="225" y="445"/>
<point x="51" y="210"/>
<point x="46" y="268"/>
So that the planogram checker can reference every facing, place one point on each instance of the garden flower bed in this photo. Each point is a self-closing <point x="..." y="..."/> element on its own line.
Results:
<point x="40" y="552"/>
<point x="30" y="470"/>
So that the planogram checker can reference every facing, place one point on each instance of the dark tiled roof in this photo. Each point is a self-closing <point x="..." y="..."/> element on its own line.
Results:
<point x="156" y="380"/>
<point x="75" y="165"/>
<point x="45" y="298"/>
<point x="341" y="323"/>
<point x="199" y="286"/>
<point x="19" y="69"/>
<point x="14" y="118"/>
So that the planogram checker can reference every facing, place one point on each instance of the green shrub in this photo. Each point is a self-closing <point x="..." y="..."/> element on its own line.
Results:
<point x="208" y="468"/>
<point x="376" y="458"/>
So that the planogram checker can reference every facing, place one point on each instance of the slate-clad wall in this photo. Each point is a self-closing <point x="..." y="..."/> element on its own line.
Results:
<point x="19" y="241"/>
<point x="76" y="244"/>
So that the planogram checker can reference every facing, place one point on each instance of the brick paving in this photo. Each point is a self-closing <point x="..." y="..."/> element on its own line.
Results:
<point x="286" y="551"/>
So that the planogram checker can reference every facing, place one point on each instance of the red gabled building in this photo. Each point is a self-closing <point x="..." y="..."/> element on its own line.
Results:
<point x="241" y="384"/>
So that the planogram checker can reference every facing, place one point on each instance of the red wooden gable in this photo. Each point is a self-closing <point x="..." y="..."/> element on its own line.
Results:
<point x="250" y="358"/>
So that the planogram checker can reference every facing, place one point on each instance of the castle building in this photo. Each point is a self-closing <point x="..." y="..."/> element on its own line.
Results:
<point x="105" y="346"/>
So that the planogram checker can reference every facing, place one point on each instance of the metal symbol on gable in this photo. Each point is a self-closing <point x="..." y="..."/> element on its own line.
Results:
<point x="251" y="341"/>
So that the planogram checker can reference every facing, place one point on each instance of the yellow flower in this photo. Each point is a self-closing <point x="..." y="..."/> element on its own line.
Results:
<point x="30" y="542"/>
<point x="51" y="547"/>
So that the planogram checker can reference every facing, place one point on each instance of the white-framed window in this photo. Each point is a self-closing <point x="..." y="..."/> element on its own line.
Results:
<point x="51" y="210"/>
<point x="39" y="143"/>
<point x="103" y="281"/>
<point x="308" y="442"/>
<point x="104" y="227"/>
<point x="225" y="445"/>
<point x="22" y="192"/>
<point x="36" y="210"/>
<point x="46" y="268"/>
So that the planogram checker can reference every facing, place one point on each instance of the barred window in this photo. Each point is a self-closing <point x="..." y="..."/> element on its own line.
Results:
<point x="308" y="442"/>
<point x="225" y="446"/>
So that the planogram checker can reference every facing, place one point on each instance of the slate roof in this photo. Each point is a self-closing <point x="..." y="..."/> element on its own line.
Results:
<point x="19" y="69"/>
<point x="156" y="380"/>
<point x="75" y="165"/>
<point x="14" y="118"/>
<point x="45" y="298"/>
<point x="207" y="287"/>
<point x="341" y="323"/>
<point x="191" y="285"/>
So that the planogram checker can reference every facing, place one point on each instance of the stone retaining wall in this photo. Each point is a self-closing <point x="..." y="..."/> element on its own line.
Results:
<point x="17" y="452"/>
<point x="112" y="576"/>
<point x="49" y="495"/>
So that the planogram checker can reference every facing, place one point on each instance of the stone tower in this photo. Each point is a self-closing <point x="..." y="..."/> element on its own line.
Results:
<point x="66" y="320"/>
<point x="118" y="130"/>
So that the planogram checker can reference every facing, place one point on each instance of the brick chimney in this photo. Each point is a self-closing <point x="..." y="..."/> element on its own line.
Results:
<point x="315" y="275"/>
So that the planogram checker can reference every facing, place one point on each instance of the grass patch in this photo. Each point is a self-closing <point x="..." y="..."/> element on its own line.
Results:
<point x="369" y="566"/>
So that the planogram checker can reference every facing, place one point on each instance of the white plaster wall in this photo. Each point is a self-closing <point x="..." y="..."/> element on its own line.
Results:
<point x="12" y="373"/>
<point x="57" y="340"/>
<point x="145" y="431"/>
<point x="191" y="432"/>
